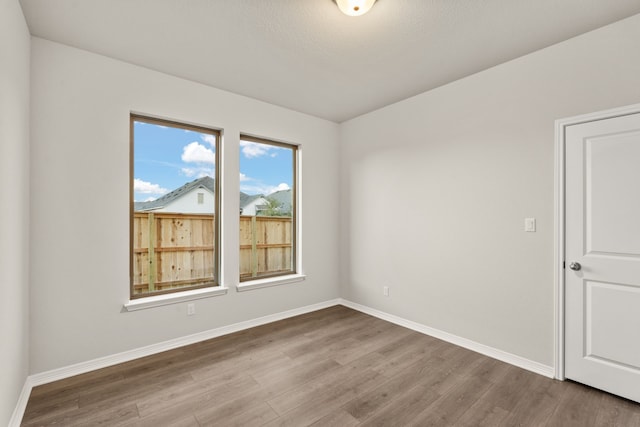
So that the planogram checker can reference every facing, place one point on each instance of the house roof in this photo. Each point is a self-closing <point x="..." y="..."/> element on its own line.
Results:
<point x="245" y="199"/>
<point x="284" y="197"/>
<point x="204" y="182"/>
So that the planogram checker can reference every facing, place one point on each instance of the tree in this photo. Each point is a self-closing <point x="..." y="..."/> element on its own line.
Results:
<point x="273" y="208"/>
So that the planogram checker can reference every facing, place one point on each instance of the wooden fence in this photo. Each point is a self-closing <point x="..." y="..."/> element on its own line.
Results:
<point x="172" y="250"/>
<point x="265" y="245"/>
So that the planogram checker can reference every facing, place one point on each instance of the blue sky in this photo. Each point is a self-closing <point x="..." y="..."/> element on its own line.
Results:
<point x="166" y="158"/>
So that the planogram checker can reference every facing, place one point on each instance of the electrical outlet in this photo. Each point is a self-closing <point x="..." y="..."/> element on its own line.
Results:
<point x="191" y="309"/>
<point x="385" y="291"/>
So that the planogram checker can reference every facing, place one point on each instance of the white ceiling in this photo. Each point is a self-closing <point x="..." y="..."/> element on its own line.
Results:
<point x="306" y="55"/>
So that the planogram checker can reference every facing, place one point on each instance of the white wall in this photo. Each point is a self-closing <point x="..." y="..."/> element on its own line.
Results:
<point x="188" y="203"/>
<point x="250" y="209"/>
<point x="14" y="205"/>
<point x="80" y="257"/>
<point x="447" y="178"/>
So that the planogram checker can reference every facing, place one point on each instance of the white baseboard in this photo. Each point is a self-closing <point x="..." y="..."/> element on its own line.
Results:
<point x="114" y="359"/>
<point x="126" y="356"/>
<point x="494" y="353"/>
<point x="21" y="405"/>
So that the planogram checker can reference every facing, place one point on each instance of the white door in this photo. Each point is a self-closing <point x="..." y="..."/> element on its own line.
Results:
<point x="602" y="256"/>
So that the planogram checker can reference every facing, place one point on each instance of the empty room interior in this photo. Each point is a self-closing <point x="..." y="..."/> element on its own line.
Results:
<point x="438" y="212"/>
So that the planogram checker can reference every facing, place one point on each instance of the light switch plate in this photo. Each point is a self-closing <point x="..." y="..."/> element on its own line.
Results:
<point x="530" y="225"/>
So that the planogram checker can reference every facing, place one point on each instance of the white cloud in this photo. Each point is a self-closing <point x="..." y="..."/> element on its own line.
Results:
<point x="254" y="149"/>
<point x="144" y="187"/>
<point x="259" y="188"/>
<point x="149" y="199"/>
<point x="198" y="172"/>
<point x="188" y="172"/>
<point x="197" y="153"/>
<point x="251" y="149"/>
<point x="210" y="139"/>
<point x="244" y="177"/>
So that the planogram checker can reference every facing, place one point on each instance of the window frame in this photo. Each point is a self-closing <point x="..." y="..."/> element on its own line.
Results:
<point x="214" y="286"/>
<point x="295" y="274"/>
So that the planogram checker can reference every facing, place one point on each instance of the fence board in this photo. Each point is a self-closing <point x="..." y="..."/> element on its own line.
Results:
<point x="273" y="247"/>
<point x="182" y="249"/>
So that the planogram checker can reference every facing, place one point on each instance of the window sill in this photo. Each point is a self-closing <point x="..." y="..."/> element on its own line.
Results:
<point x="272" y="281"/>
<point x="175" y="298"/>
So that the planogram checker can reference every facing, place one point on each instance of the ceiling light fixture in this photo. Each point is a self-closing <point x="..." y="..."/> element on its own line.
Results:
<point x="354" y="7"/>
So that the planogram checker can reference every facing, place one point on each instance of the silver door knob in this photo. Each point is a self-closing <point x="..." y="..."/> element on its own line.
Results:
<point x="575" y="266"/>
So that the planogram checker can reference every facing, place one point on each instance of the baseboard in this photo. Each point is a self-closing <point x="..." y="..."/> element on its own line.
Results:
<point x="103" y="362"/>
<point x="494" y="353"/>
<point x="21" y="405"/>
<point x="114" y="359"/>
<point x="126" y="356"/>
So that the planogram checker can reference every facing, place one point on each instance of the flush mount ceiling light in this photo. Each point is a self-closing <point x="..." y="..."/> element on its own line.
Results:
<point x="354" y="7"/>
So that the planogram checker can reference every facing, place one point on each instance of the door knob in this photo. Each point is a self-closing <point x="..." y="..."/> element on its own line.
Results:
<point x="575" y="266"/>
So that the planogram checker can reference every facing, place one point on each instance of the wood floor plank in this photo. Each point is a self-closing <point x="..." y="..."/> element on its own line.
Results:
<point x="230" y="407"/>
<point x="310" y="404"/>
<point x="71" y="386"/>
<point x="103" y="416"/>
<point x="151" y="403"/>
<point x="484" y="415"/>
<point x="334" y="384"/>
<point x="396" y="361"/>
<point x="346" y="324"/>
<point x="336" y="419"/>
<point x="536" y="403"/>
<point x="388" y="392"/>
<point x="511" y="386"/>
<point x="239" y="414"/>
<point x="403" y="411"/>
<point x="294" y="374"/>
<point x="334" y="367"/>
<point x="164" y="418"/>
<point x="616" y="412"/>
<point x="451" y="406"/>
<point x="43" y="413"/>
<point x="238" y="362"/>
<point x="375" y="340"/>
<point x="126" y="390"/>
<point x="578" y="407"/>
<point x="449" y="369"/>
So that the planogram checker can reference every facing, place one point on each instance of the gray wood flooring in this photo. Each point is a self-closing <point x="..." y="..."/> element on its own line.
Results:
<point x="334" y="367"/>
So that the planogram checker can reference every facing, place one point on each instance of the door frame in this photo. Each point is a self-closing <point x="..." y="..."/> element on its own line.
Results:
<point x="559" y="223"/>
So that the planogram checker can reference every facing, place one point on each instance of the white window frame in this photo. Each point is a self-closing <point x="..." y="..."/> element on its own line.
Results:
<point x="188" y="294"/>
<point x="298" y="274"/>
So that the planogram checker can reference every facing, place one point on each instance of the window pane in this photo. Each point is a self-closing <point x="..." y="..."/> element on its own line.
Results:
<point x="267" y="208"/>
<point x="173" y="224"/>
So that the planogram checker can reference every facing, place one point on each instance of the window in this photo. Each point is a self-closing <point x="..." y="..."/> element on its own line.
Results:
<point x="174" y="197"/>
<point x="267" y="208"/>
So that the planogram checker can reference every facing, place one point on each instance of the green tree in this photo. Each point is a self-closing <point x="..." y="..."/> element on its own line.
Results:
<point x="273" y="208"/>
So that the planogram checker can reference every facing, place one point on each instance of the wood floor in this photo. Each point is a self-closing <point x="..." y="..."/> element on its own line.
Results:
<point x="334" y="367"/>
